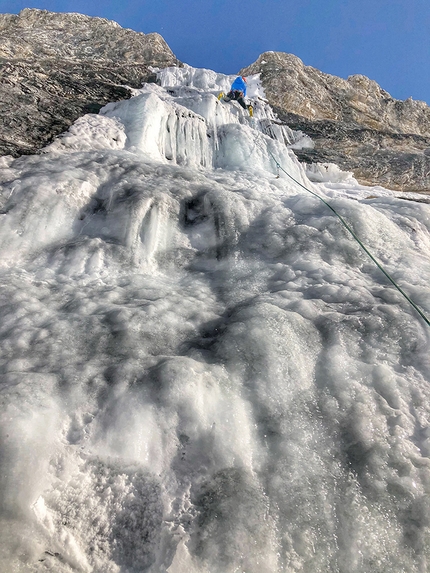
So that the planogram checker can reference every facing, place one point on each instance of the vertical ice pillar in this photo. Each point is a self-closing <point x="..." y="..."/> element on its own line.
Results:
<point x="163" y="130"/>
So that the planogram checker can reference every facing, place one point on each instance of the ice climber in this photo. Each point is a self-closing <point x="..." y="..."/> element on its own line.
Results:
<point x="238" y="93"/>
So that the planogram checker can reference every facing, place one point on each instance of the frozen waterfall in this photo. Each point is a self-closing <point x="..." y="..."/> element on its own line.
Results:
<point x="200" y="371"/>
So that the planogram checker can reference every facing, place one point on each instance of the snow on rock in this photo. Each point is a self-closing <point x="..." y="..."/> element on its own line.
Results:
<point x="88" y="133"/>
<point x="301" y="141"/>
<point x="199" y="78"/>
<point x="329" y="172"/>
<point x="200" y="370"/>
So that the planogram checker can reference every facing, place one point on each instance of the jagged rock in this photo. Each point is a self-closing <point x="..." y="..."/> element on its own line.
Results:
<point x="353" y="123"/>
<point x="56" y="67"/>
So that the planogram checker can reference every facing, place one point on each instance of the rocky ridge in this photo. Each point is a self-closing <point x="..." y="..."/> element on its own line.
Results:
<point x="353" y="123"/>
<point x="56" y="67"/>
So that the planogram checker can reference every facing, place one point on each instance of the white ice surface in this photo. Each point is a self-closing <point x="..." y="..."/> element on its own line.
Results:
<point x="200" y="371"/>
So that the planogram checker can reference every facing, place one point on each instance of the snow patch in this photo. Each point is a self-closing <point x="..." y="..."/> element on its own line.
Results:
<point x="329" y="172"/>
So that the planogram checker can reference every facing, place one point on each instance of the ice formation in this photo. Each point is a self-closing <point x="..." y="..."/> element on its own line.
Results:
<point x="201" y="372"/>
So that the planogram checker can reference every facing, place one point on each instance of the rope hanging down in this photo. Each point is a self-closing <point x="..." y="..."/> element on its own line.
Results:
<point x="345" y="224"/>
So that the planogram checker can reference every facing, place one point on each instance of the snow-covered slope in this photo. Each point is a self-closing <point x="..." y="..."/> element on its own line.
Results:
<point x="201" y="372"/>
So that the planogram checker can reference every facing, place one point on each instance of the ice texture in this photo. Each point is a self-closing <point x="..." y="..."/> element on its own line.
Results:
<point x="201" y="372"/>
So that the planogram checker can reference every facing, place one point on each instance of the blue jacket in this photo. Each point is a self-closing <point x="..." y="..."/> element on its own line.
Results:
<point x="239" y="84"/>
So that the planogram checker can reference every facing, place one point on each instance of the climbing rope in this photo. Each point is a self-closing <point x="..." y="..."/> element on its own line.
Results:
<point x="366" y="250"/>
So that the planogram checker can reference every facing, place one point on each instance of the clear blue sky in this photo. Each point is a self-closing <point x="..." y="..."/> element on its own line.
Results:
<point x="386" y="40"/>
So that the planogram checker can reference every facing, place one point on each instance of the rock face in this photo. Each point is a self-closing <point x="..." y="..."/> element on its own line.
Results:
<point x="354" y="123"/>
<point x="56" y="67"/>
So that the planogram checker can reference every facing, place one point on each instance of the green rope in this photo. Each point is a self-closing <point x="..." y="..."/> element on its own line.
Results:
<point x="345" y="224"/>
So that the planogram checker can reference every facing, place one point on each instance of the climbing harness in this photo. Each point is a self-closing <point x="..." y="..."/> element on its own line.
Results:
<point x="222" y="96"/>
<point x="348" y="228"/>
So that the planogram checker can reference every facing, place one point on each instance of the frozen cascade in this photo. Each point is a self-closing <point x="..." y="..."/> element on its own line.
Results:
<point x="200" y="371"/>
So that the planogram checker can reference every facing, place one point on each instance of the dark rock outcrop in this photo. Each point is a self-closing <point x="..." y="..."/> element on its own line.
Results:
<point x="353" y="123"/>
<point x="56" y="67"/>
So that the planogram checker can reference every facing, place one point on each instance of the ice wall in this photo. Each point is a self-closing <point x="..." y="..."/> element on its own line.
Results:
<point x="200" y="371"/>
<point x="163" y="130"/>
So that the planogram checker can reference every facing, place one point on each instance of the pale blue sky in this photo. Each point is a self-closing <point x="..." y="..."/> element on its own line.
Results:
<point x="386" y="40"/>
